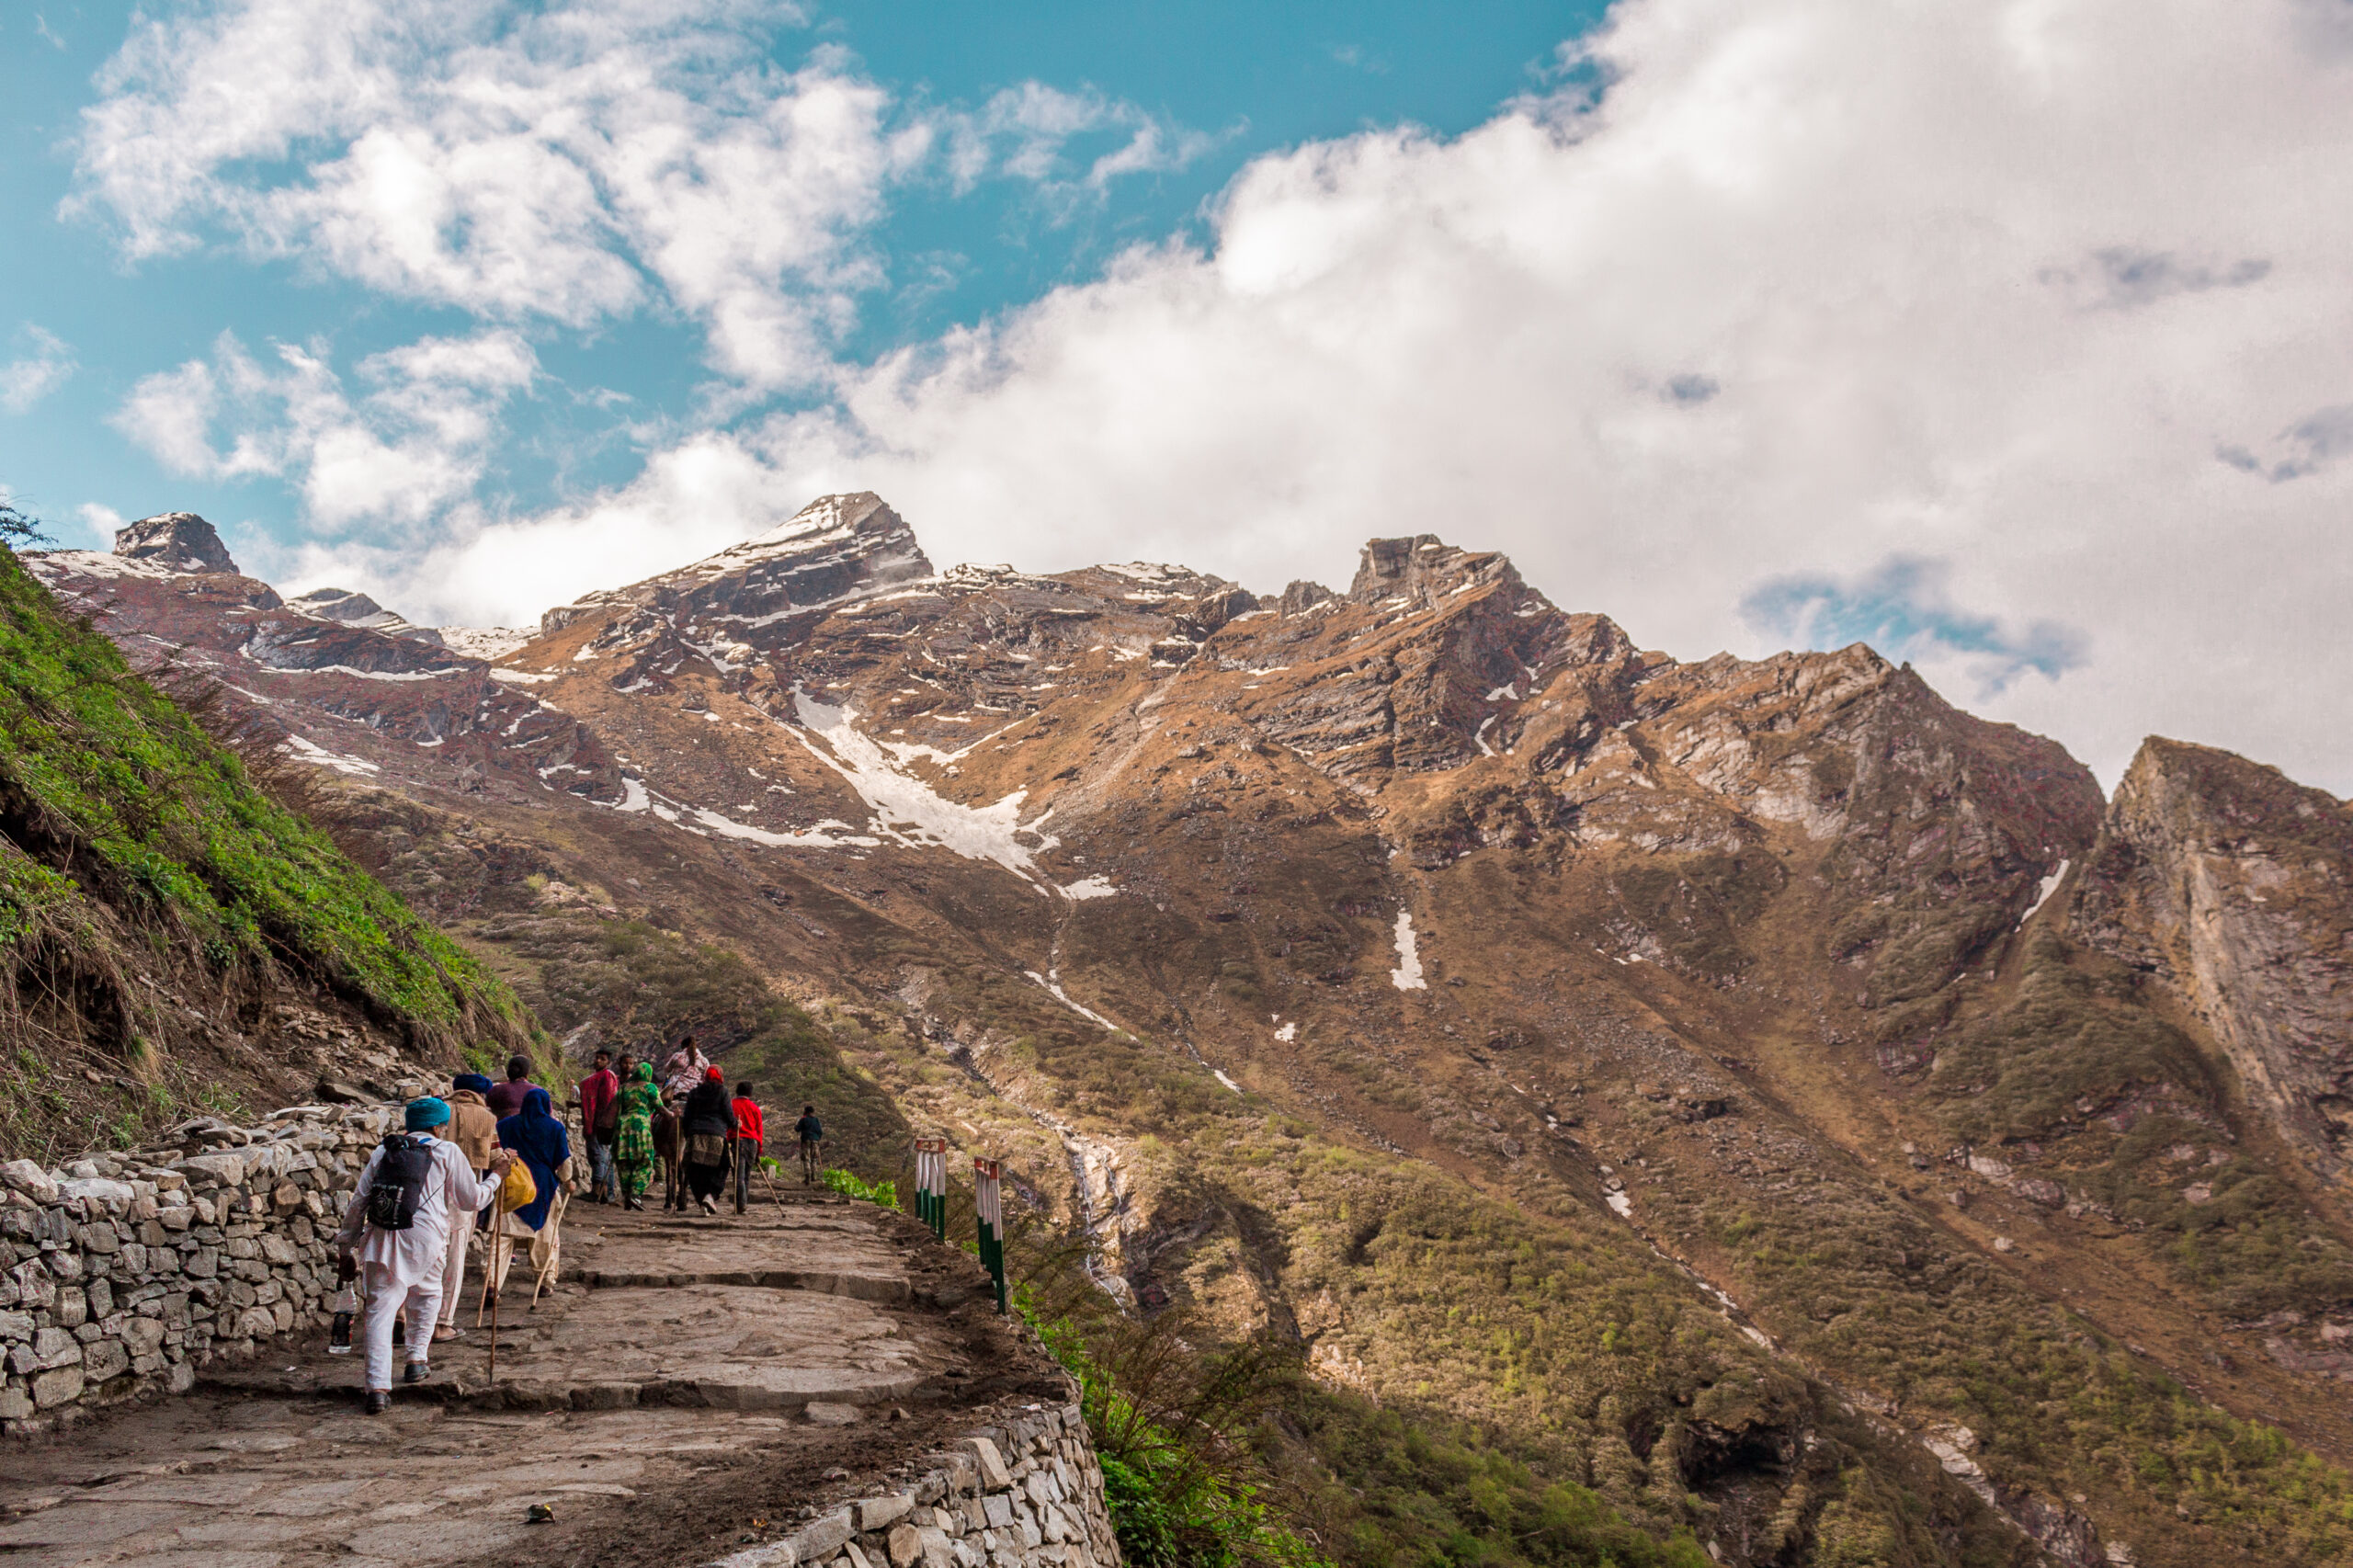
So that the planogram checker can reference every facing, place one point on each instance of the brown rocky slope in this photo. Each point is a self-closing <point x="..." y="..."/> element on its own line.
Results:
<point x="1759" y="1090"/>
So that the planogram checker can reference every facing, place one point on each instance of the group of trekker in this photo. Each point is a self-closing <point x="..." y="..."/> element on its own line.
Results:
<point x="450" y="1175"/>
<point x="628" y="1114"/>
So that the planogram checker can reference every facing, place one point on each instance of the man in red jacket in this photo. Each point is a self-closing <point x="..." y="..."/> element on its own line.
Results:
<point x="748" y="1140"/>
<point x="600" y="1104"/>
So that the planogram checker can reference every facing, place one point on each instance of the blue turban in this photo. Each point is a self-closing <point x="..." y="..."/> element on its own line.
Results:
<point x="426" y="1114"/>
<point x="474" y="1081"/>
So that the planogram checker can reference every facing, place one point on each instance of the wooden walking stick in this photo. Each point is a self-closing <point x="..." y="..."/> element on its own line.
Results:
<point x="487" y="1274"/>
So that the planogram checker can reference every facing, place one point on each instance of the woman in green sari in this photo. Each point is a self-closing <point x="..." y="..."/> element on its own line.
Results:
<point x="633" y="1144"/>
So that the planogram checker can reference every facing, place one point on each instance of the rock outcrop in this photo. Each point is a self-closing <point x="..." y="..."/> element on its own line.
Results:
<point x="835" y="548"/>
<point x="348" y="609"/>
<point x="177" y="541"/>
<point x="2233" y="886"/>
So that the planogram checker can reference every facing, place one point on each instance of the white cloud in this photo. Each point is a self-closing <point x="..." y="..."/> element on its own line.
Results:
<point x="692" y="500"/>
<point x="510" y="160"/>
<point x="24" y="382"/>
<point x="574" y="163"/>
<point x="1028" y="132"/>
<point x="399" y="454"/>
<point x="101" y="520"/>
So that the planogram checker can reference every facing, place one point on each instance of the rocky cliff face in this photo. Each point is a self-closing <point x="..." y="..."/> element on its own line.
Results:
<point x="2231" y="885"/>
<point x="1735" y="1080"/>
<point x="175" y="541"/>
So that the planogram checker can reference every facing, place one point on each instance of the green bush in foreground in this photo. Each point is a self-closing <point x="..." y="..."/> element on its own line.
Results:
<point x="848" y="1185"/>
<point x="1178" y="1488"/>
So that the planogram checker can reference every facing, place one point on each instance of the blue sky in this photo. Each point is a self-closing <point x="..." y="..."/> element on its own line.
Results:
<point x="2011" y="338"/>
<point x="1240" y="79"/>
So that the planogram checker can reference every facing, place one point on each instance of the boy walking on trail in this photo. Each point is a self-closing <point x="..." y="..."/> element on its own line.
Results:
<point x="749" y="1143"/>
<point x="415" y="1186"/>
<point x="812" y="1133"/>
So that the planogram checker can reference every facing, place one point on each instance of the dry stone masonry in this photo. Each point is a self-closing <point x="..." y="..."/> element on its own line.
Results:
<point x="1026" y="1494"/>
<point x="122" y="1274"/>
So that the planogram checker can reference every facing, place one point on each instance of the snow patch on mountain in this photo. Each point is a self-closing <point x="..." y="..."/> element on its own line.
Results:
<point x="704" y="822"/>
<point x="364" y="675"/>
<point x="49" y="563"/>
<point x="303" y="750"/>
<point x="485" y="642"/>
<point x="909" y="811"/>
<point x="2042" y="892"/>
<point x="1407" y="975"/>
<point x="1053" y="986"/>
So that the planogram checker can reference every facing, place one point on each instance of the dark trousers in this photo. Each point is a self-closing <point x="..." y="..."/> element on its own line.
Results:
<point x="601" y="1181"/>
<point x="747" y="1159"/>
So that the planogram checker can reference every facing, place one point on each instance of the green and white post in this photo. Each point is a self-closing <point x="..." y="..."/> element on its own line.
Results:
<point x="931" y="1184"/>
<point x="989" y="1206"/>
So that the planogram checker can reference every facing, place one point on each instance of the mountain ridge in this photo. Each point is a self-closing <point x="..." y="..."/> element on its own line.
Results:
<point x="1836" y="996"/>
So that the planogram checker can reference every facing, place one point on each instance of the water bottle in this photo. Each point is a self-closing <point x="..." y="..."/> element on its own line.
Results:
<point x="346" y="1307"/>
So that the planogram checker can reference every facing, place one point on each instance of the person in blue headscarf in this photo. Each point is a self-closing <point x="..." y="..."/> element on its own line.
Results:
<point x="539" y="1141"/>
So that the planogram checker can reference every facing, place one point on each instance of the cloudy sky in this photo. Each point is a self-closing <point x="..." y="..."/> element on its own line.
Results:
<point x="2014" y="339"/>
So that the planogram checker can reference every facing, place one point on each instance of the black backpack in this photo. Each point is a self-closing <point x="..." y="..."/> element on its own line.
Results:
<point x="399" y="1184"/>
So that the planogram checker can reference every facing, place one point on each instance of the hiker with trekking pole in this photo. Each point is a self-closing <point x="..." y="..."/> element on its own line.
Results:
<point x="396" y="1235"/>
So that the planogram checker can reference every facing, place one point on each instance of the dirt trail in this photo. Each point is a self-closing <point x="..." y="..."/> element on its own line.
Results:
<point x="688" y="1380"/>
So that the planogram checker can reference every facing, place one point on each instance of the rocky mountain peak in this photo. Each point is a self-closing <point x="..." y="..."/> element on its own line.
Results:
<point x="835" y="549"/>
<point x="831" y="545"/>
<point x="179" y="541"/>
<point x="348" y="609"/>
<point x="1424" y="569"/>
<point x="1301" y="595"/>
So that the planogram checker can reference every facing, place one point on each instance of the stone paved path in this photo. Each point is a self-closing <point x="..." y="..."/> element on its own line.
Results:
<point x="688" y="1380"/>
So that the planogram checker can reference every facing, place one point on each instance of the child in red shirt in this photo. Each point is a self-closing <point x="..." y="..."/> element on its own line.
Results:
<point x="748" y="1142"/>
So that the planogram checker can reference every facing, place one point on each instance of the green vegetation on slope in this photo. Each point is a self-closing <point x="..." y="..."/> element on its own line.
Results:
<point x="1495" y="1384"/>
<point x="2119" y="1109"/>
<point x="130" y="838"/>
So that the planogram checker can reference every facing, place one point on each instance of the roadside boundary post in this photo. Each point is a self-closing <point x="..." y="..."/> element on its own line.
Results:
<point x="988" y="1204"/>
<point x="931" y="1184"/>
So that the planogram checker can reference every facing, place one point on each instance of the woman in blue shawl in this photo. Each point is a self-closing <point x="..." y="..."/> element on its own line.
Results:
<point x="534" y="1134"/>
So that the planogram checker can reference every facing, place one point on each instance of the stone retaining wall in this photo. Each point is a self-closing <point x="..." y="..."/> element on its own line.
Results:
<point x="122" y="1274"/>
<point x="1021" y="1495"/>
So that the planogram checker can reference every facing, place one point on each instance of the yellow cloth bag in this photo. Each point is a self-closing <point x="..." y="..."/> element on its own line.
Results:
<point x="517" y="1189"/>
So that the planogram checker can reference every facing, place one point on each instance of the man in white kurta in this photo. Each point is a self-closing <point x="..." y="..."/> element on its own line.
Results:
<point x="402" y="1269"/>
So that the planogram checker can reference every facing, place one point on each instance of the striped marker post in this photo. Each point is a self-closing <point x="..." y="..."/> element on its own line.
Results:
<point x="931" y="1184"/>
<point x="990" y="1205"/>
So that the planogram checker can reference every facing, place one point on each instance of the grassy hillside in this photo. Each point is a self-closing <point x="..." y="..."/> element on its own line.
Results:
<point x="151" y="897"/>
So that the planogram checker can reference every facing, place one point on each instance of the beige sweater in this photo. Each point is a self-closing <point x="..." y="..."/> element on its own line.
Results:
<point x="472" y="1127"/>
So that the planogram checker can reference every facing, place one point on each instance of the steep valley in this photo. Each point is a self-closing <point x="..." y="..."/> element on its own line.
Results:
<point x="1811" y="1117"/>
